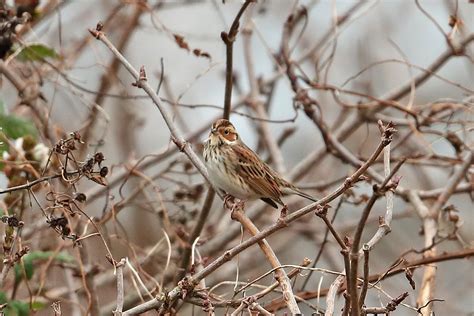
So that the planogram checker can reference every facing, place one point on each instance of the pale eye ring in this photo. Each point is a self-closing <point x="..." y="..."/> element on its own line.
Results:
<point x="226" y="132"/>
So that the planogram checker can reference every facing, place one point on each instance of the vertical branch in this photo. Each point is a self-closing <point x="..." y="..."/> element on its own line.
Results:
<point x="324" y="242"/>
<point x="384" y="227"/>
<point x="120" y="292"/>
<point x="388" y="193"/>
<point x="229" y="39"/>
<point x="387" y="133"/>
<point x="331" y="296"/>
<point x="430" y="229"/>
<point x="384" y="223"/>
<point x="363" y="291"/>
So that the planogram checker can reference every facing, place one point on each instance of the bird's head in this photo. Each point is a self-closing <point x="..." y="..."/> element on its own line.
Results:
<point x="223" y="132"/>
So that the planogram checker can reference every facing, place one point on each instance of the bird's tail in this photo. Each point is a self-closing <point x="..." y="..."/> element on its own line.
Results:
<point x="309" y="197"/>
<point x="294" y="190"/>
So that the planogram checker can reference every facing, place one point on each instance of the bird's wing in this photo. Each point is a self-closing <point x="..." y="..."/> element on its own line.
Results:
<point x="256" y="173"/>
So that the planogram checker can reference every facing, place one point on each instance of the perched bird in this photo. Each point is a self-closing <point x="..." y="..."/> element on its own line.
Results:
<point x="237" y="170"/>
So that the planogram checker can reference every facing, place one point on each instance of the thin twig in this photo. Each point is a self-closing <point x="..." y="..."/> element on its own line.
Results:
<point x="390" y="307"/>
<point x="323" y="244"/>
<point x="30" y="184"/>
<point x="365" y="285"/>
<point x="291" y="274"/>
<point x="384" y="225"/>
<point x="120" y="288"/>
<point x="141" y="82"/>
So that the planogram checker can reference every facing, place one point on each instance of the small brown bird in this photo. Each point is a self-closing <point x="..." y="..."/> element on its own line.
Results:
<point x="236" y="169"/>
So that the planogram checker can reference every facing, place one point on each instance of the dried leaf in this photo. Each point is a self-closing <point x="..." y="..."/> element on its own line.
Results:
<point x="99" y="180"/>
<point x="181" y="42"/>
<point x="409" y="276"/>
<point x="199" y="53"/>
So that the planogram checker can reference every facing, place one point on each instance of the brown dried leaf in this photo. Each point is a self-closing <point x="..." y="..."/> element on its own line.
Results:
<point x="99" y="180"/>
<point x="409" y="276"/>
<point x="181" y="42"/>
<point x="199" y="53"/>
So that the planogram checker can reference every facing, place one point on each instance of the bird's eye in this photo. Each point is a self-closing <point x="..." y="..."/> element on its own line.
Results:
<point x="226" y="132"/>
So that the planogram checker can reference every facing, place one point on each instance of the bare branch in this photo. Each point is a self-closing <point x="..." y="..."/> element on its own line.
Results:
<point x="120" y="288"/>
<point x="229" y="39"/>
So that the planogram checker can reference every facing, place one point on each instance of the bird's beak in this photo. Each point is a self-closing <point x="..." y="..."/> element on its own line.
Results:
<point x="213" y="131"/>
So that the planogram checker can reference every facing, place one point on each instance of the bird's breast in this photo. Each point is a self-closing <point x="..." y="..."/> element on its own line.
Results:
<point x="222" y="173"/>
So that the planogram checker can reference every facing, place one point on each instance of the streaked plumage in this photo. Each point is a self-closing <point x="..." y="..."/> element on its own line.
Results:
<point x="237" y="170"/>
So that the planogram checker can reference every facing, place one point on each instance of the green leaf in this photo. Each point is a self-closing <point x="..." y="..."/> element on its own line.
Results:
<point x="29" y="270"/>
<point x="19" y="308"/>
<point x="37" y="255"/>
<point x="14" y="127"/>
<point x="3" y="298"/>
<point x="37" y="306"/>
<point x="61" y="256"/>
<point x="35" y="52"/>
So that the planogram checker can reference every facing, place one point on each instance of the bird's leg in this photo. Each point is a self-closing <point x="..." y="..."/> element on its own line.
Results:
<point x="237" y="208"/>
<point x="238" y="205"/>
<point x="229" y="201"/>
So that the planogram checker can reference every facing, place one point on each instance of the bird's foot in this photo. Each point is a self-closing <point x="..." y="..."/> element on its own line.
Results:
<point x="237" y="210"/>
<point x="238" y="206"/>
<point x="229" y="201"/>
